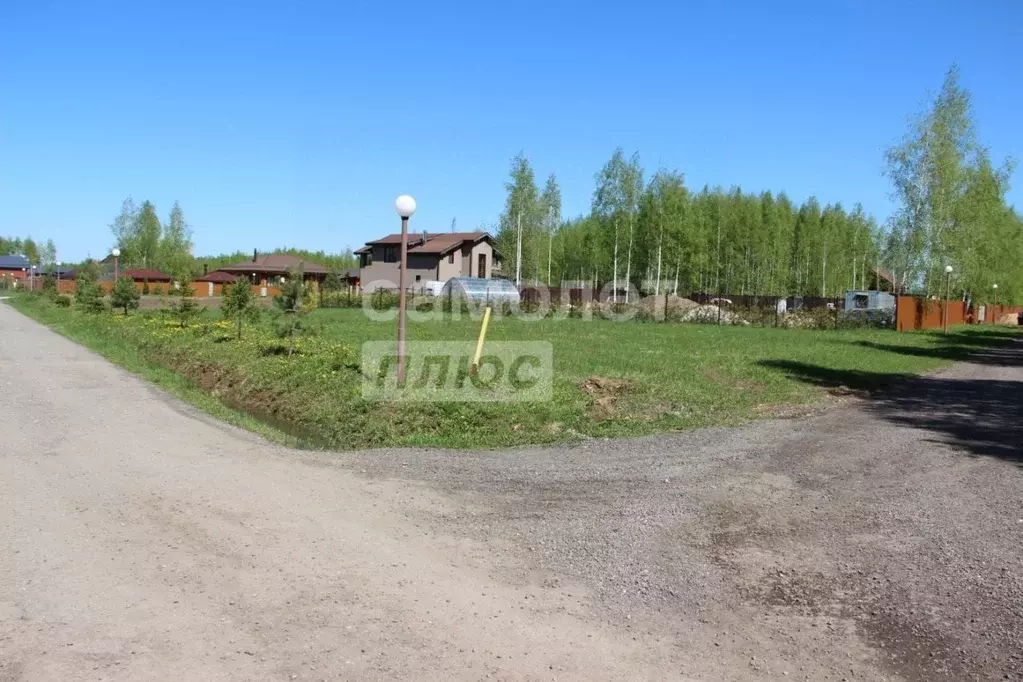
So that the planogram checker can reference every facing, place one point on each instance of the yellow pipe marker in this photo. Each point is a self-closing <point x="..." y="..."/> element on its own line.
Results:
<point x="479" y="344"/>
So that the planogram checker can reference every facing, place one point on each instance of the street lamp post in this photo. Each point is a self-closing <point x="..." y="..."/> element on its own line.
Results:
<point x="948" y="291"/>
<point x="116" y="253"/>
<point x="994" y="313"/>
<point x="57" y="264"/>
<point x="405" y="206"/>
<point x="32" y="278"/>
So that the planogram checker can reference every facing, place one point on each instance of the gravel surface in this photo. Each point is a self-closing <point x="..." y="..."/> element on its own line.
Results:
<point x="880" y="539"/>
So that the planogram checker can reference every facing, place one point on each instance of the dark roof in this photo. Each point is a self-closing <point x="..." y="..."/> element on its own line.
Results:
<point x="439" y="243"/>
<point x="275" y="262"/>
<point x="53" y="270"/>
<point x="13" y="262"/>
<point x="218" y="277"/>
<point x="885" y="275"/>
<point x="139" y="275"/>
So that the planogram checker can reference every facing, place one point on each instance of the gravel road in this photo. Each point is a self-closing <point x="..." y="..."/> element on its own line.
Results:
<point x="879" y="539"/>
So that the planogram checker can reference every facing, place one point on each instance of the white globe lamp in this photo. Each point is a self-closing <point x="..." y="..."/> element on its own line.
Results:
<point x="405" y="206"/>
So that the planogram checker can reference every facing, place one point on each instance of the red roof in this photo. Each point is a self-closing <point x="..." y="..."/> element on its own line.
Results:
<point x="218" y="277"/>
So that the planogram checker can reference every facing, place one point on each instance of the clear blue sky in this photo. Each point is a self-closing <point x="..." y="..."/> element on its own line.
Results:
<point x="297" y="123"/>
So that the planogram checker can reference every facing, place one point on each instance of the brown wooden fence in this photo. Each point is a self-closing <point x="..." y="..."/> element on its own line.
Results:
<point x="201" y="289"/>
<point x="994" y="313"/>
<point x="914" y="313"/>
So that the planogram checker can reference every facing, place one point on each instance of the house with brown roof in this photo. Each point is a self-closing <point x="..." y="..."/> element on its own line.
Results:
<point x="146" y="280"/>
<point x="213" y="283"/>
<point x="883" y="280"/>
<point x="269" y="269"/>
<point x="431" y="257"/>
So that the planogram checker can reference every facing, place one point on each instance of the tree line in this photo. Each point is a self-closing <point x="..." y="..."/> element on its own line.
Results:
<point x="146" y="242"/>
<point x="657" y="234"/>
<point x="44" y="255"/>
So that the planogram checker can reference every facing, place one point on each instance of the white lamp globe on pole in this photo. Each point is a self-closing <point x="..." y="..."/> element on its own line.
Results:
<point x="404" y="206"/>
<point x="57" y="264"/>
<point x="116" y="253"/>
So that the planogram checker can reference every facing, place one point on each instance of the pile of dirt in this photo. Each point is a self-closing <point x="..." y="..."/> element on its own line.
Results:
<point x="652" y="307"/>
<point x="712" y="314"/>
<point x="605" y="392"/>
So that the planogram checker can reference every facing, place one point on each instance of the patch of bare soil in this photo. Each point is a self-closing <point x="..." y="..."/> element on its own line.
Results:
<point x="605" y="393"/>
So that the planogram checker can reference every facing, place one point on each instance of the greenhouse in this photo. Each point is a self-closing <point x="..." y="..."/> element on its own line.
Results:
<point x="476" y="290"/>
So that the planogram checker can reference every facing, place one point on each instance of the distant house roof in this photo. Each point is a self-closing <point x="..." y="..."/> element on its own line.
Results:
<point x="218" y="277"/>
<point x="139" y="275"/>
<point x="885" y="275"/>
<point x="440" y="243"/>
<point x="13" y="262"/>
<point x="54" y="270"/>
<point x="275" y="263"/>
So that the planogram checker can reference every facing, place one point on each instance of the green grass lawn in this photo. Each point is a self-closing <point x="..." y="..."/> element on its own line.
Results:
<point x="678" y="376"/>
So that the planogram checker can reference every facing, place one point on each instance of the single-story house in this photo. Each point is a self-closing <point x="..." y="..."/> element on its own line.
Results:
<point x="14" y="267"/>
<point x="146" y="280"/>
<point x="213" y="283"/>
<point x="54" y="271"/>
<point x="269" y="269"/>
<point x="139" y="275"/>
<point x="431" y="257"/>
<point x="350" y="278"/>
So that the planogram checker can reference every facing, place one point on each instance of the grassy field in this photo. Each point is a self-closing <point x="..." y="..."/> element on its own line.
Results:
<point x="664" y="376"/>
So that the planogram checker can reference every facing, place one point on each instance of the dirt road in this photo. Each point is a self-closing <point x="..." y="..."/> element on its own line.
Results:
<point x="878" y="540"/>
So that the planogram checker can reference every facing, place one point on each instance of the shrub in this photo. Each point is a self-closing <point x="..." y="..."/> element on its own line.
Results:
<point x="384" y="300"/>
<point x="294" y="304"/>
<point x="331" y="283"/>
<point x="62" y="301"/>
<point x="87" y="292"/>
<point x="239" y="303"/>
<point x="186" y="307"/>
<point x="124" y="294"/>
<point x="339" y="299"/>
